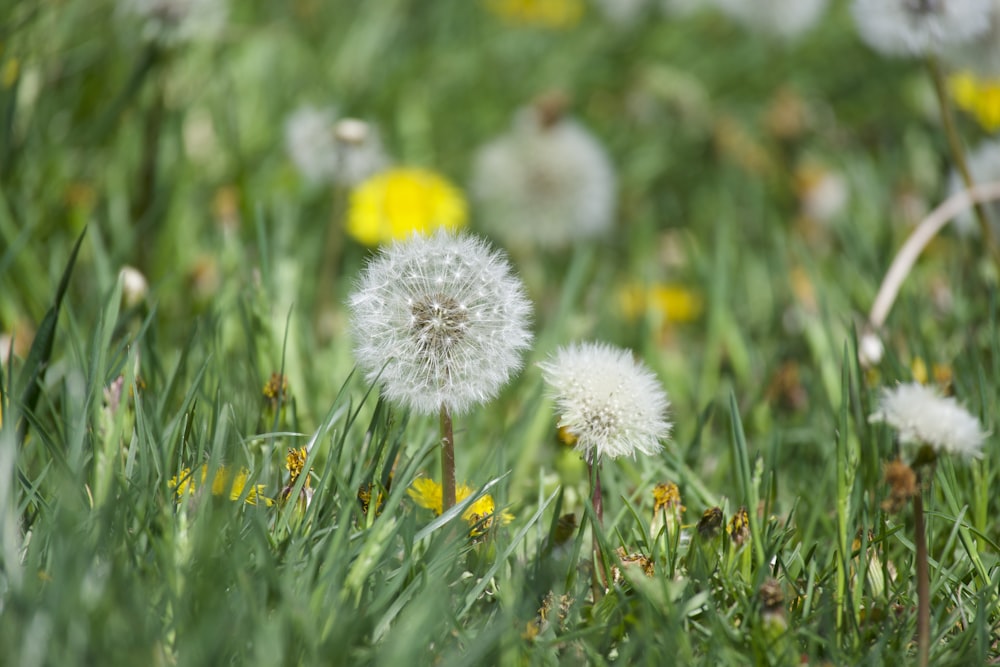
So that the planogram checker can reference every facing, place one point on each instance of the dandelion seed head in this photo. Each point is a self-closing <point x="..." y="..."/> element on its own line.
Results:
<point x="612" y="404"/>
<point x="780" y="18"/>
<point x="547" y="181"/>
<point x="326" y="149"/>
<point x="922" y="416"/>
<point x="919" y="27"/>
<point x="440" y="320"/>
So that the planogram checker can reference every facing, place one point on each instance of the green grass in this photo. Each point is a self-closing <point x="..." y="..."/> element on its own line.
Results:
<point x="102" y="563"/>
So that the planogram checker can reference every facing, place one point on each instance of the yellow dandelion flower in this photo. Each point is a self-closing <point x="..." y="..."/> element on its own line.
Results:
<point x="543" y="13"/>
<point x="224" y="482"/>
<point x="427" y="493"/>
<point x="979" y="97"/>
<point x="276" y="389"/>
<point x="394" y="204"/>
<point x="739" y="527"/>
<point x="665" y="301"/>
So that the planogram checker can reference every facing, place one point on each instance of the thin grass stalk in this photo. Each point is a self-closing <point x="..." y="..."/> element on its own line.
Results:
<point x="447" y="460"/>
<point x="597" y="501"/>
<point x="923" y="581"/>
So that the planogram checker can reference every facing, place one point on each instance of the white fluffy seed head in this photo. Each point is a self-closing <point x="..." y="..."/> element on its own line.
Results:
<point x="545" y="183"/>
<point x="327" y="150"/>
<point x="922" y="416"/>
<point x="780" y="18"/>
<point x="440" y="320"/>
<point x="613" y="404"/>
<point x="920" y="27"/>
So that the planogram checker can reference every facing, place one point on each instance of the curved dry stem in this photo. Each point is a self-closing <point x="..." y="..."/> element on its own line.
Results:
<point x="918" y="240"/>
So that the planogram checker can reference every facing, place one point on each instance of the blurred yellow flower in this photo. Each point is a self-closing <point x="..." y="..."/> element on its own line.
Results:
<point x="395" y="203"/>
<point x="427" y="493"/>
<point x="979" y="97"/>
<point x="225" y="481"/>
<point x="544" y="13"/>
<point x="669" y="303"/>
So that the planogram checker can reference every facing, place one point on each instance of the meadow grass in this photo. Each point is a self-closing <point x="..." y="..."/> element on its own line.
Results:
<point x="115" y="152"/>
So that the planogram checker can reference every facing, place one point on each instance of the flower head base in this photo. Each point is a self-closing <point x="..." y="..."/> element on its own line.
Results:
<point x="919" y="27"/>
<point x="922" y="416"/>
<point x="479" y="515"/>
<point x="397" y="203"/>
<point x="328" y="150"/>
<point x="441" y="321"/>
<point x="613" y="404"/>
<point x="547" y="181"/>
<point x="224" y="482"/>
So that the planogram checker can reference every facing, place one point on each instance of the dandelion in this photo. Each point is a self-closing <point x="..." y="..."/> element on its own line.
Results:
<point x="922" y="416"/>
<point x="939" y="425"/>
<point x="546" y="182"/>
<point x="224" y="482"/>
<point x="738" y="527"/>
<point x="479" y="515"/>
<point x="275" y="390"/>
<point x="780" y="18"/>
<point x="667" y="508"/>
<point x="613" y="404"/>
<point x="984" y="167"/>
<point x="978" y="96"/>
<point x="172" y="22"/>
<point x="919" y="27"/>
<point x="543" y="13"/>
<point x="442" y="322"/>
<point x="396" y="203"/>
<point x="327" y="150"/>
<point x="295" y="464"/>
<point x="665" y="302"/>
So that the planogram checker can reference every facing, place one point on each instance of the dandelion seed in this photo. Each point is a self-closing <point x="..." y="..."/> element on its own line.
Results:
<point x="919" y="27"/>
<point x="397" y="203"/>
<point x="546" y="182"/>
<point x="440" y="320"/>
<point x="613" y="404"/>
<point x="327" y="150"/>
<point x="922" y="416"/>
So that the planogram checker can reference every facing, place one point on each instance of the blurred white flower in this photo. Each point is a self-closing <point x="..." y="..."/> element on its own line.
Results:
<point x="781" y="18"/>
<point x="920" y="27"/>
<point x="870" y="350"/>
<point x="823" y="192"/>
<point x="327" y="150"/>
<point x="922" y="416"/>
<point x="439" y="320"/>
<point x="984" y="167"/>
<point x="613" y="404"/>
<point x="546" y="182"/>
<point x="173" y="22"/>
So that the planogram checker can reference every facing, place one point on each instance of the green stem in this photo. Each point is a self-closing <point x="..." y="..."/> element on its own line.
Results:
<point x="958" y="155"/>
<point x="598" y="582"/>
<point x="447" y="460"/>
<point x="923" y="582"/>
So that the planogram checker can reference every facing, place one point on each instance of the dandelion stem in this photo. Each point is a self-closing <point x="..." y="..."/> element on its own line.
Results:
<point x="447" y="461"/>
<point x="958" y="155"/>
<point x="923" y="582"/>
<point x="597" y="500"/>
